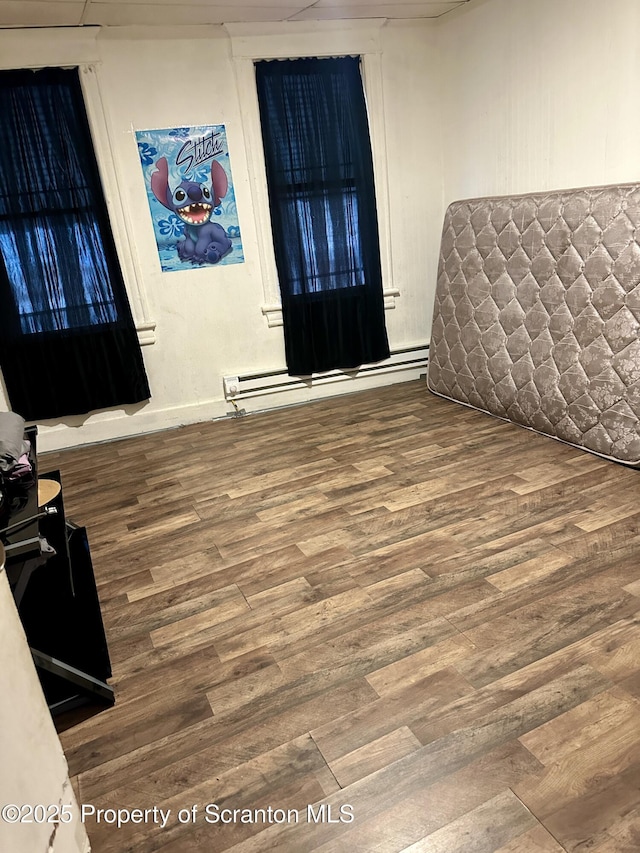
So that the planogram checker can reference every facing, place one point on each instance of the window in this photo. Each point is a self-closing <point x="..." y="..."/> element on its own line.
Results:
<point x="67" y="340"/>
<point x="323" y="212"/>
<point x="45" y="304"/>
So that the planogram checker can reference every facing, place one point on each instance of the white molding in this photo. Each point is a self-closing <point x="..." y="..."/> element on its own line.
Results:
<point x="311" y="38"/>
<point x="389" y="295"/>
<point x="146" y="333"/>
<point x="248" y="44"/>
<point x="120" y="220"/>
<point x="34" y="47"/>
<point x="142" y="420"/>
<point x="273" y="312"/>
<point x="250" y="117"/>
<point x="374" y="96"/>
<point x="162" y="32"/>
<point x="125" y="424"/>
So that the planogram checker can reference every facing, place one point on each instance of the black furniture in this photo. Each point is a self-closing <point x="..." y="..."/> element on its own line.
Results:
<point x="49" y="567"/>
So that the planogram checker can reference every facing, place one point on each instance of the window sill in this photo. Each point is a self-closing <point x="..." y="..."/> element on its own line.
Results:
<point x="273" y="313"/>
<point x="146" y="333"/>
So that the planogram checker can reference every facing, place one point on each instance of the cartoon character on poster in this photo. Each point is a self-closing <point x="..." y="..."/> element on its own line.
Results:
<point x="191" y="198"/>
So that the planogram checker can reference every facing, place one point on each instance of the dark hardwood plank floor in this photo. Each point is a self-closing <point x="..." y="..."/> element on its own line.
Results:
<point x="389" y="622"/>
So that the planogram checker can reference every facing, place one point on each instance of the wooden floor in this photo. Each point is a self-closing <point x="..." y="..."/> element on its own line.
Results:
<point x="418" y="616"/>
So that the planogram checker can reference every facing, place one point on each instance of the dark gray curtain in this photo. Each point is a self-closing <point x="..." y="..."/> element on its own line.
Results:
<point x="323" y="212"/>
<point x="68" y="344"/>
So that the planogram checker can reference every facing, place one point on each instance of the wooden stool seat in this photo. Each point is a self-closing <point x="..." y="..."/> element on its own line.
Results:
<point x="47" y="491"/>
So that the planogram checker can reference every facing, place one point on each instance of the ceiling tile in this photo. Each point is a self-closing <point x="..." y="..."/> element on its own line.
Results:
<point x="330" y="10"/>
<point x="418" y="6"/>
<point x="52" y="13"/>
<point x="117" y="14"/>
<point x="254" y="6"/>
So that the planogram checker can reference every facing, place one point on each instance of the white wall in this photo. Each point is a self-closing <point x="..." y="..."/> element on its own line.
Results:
<point x="209" y="321"/>
<point x="412" y="104"/>
<point x="33" y="770"/>
<point x="500" y="96"/>
<point x="540" y="94"/>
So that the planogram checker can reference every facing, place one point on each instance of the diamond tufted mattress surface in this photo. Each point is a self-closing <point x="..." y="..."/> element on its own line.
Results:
<point x="537" y="314"/>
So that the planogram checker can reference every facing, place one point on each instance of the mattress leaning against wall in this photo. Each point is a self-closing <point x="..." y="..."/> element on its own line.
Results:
<point x="537" y="313"/>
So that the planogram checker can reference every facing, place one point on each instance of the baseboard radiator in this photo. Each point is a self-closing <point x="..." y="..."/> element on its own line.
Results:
<point x="411" y="361"/>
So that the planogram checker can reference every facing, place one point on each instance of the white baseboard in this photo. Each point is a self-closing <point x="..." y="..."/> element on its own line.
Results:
<point x="124" y="424"/>
<point x="270" y="390"/>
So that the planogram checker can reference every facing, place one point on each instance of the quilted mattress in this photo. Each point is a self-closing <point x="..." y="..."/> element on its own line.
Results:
<point x="537" y="313"/>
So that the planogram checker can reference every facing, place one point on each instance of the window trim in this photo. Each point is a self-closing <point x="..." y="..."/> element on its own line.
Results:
<point x="79" y="48"/>
<point x="248" y="47"/>
<point x="121" y="225"/>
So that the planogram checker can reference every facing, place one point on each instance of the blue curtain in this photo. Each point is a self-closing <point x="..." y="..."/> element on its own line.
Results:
<point x="323" y="212"/>
<point x="68" y="344"/>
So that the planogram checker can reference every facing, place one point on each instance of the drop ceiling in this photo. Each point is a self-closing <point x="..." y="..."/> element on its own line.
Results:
<point x="73" y="13"/>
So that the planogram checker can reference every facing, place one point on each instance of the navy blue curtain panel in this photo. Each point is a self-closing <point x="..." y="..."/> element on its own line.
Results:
<point x="68" y="344"/>
<point x="323" y="212"/>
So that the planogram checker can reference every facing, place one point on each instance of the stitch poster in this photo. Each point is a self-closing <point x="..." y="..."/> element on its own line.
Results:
<point x="190" y="190"/>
